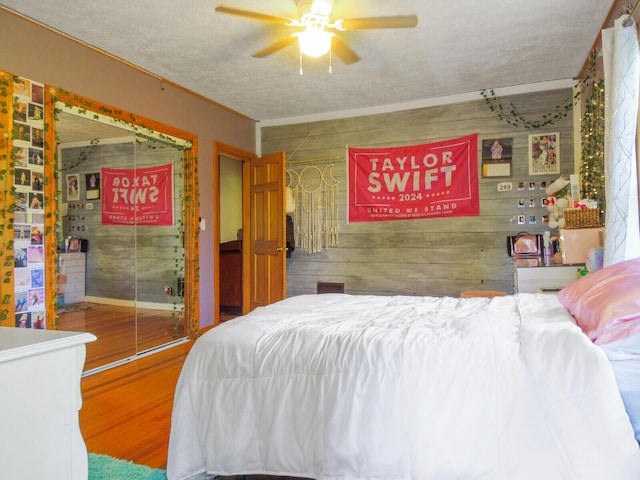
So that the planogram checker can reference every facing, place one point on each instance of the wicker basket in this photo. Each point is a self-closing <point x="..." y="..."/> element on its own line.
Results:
<point x="581" y="218"/>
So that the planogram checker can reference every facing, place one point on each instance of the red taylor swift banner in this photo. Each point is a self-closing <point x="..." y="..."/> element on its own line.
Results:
<point x="418" y="181"/>
<point x="140" y="196"/>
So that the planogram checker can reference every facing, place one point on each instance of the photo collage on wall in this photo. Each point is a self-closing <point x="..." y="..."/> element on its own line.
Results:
<point x="543" y="159"/>
<point x="535" y="200"/>
<point x="28" y="155"/>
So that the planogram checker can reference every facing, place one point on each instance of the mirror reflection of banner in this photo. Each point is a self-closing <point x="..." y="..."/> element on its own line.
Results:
<point x="417" y="181"/>
<point x="140" y="196"/>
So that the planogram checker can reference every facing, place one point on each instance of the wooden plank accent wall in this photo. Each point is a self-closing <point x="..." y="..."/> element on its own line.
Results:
<point x="441" y="256"/>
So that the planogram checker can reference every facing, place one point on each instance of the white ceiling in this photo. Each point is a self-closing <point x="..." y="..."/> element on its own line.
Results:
<point x="458" y="47"/>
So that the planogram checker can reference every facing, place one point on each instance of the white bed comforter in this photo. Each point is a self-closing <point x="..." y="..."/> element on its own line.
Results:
<point x="370" y="387"/>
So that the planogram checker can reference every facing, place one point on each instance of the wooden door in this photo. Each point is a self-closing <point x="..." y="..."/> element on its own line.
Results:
<point x="267" y="249"/>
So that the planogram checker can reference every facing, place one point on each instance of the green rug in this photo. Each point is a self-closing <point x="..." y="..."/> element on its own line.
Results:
<point x="104" y="467"/>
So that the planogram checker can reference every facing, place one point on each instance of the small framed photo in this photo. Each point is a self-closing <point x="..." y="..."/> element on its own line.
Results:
<point x="496" y="157"/>
<point x="73" y="187"/>
<point x="92" y="186"/>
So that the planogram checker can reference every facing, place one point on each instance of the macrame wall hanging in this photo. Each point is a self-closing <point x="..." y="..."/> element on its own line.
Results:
<point x="312" y="195"/>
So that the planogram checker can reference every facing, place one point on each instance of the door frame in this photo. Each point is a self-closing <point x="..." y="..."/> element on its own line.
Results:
<point x="222" y="149"/>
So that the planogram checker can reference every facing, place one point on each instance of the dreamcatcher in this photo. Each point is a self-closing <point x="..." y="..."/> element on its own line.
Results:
<point x="315" y="195"/>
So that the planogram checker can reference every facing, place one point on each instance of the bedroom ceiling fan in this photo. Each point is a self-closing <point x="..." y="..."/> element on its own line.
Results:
<point x="316" y="32"/>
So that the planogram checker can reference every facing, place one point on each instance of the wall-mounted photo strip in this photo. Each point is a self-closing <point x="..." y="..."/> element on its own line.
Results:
<point x="28" y="177"/>
<point x="22" y="87"/>
<point x="20" y="111"/>
<point x="544" y="154"/>
<point x="36" y="298"/>
<point x="36" y="157"/>
<point x="22" y="278"/>
<point x="36" y="112"/>
<point x="36" y="201"/>
<point x="20" y="156"/>
<point x="497" y="154"/>
<point x="22" y="132"/>
<point x="37" y="181"/>
<point x="22" y="177"/>
<point x="23" y="320"/>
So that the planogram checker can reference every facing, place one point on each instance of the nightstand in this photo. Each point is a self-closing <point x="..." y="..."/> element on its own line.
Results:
<point x="544" y="279"/>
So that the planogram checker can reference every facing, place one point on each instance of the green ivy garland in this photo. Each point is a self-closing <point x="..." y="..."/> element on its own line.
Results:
<point x="513" y="117"/>
<point x="6" y="177"/>
<point x="592" y="133"/>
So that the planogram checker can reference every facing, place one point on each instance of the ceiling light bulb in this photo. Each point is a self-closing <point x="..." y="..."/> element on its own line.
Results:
<point x="314" y="41"/>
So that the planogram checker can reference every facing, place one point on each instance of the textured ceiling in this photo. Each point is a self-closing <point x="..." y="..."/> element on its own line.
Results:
<point x="457" y="47"/>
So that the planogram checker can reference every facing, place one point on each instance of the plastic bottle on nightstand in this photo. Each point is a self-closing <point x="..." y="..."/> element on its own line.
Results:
<point x="547" y="250"/>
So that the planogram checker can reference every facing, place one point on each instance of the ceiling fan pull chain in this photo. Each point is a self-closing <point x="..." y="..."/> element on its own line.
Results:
<point x="330" y="59"/>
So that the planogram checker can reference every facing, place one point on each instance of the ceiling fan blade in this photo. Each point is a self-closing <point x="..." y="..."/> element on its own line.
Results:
<point x="342" y="50"/>
<point x="274" y="47"/>
<point x="253" y="15"/>
<point x="407" y="21"/>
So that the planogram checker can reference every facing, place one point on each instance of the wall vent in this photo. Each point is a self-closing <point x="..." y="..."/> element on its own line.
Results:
<point x="330" y="287"/>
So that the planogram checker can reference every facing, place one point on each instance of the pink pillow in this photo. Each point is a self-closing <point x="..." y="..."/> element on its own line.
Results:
<point x="606" y="303"/>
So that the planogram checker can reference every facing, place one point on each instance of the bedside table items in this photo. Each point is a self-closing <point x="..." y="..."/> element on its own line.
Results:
<point x="595" y="257"/>
<point x="576" y="242"/>
<point x="73" y="244"/>
<point x="525" y="248"/>
<point x="582" y="218"/>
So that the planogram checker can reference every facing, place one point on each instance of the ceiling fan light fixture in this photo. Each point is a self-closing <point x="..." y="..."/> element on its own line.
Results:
<point x="314" y="41"/>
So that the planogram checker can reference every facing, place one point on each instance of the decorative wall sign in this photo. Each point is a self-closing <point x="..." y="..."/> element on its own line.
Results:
<point x="140" y="196"/>
<point x="417" y="181"/>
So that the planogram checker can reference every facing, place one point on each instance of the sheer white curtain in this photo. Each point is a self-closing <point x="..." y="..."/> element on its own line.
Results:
<point x="621" y="59"/>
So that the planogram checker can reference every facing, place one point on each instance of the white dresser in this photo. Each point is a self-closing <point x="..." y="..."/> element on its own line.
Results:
<point x="73" y="267"/>
<point x="545" y="279"/>
<point x="40" y="374"/>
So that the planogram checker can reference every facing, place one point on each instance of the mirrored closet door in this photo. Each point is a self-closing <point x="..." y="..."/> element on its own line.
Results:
<point x="120" y="237"/>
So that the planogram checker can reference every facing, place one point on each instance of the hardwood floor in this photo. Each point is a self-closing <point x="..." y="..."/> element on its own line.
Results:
<point x="126" y="410"/>
<point x="121" y="331"/>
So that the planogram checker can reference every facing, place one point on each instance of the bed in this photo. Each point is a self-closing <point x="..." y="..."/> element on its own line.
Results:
<point x="339" y="386"/>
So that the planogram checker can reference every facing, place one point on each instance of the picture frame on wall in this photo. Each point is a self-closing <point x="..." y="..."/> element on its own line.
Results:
<point x="73" y="187"/>
<point x="544" y="154"/>
<point x="497" y="154"/>
<point x="92" y="186"/>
